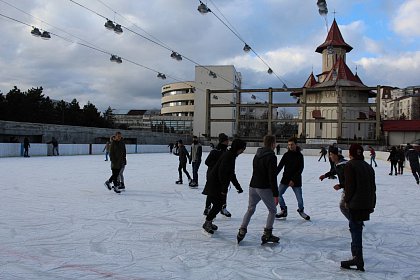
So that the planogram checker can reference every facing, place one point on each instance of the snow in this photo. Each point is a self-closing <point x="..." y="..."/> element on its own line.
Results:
<point x="58" y="221"/>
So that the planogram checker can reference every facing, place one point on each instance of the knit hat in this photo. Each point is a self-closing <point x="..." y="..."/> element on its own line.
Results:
<point x="237" y="144"/>
<point x="179" y="141"/>
<point x="356" y="151"/>
<point x="334" y="150"/>
<point x="223" y="137"/>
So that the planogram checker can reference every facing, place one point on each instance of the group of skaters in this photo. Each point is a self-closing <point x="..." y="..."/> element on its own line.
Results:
<point x="356" y="178"/>
<point x="115" y="149"/>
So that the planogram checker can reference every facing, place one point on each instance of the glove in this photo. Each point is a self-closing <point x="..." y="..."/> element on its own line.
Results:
<point x="240" y="190"/>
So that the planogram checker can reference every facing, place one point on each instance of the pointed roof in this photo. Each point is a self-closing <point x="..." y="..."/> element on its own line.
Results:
<point x="343" y="73"/>
<point x="311" y="81"/>
<point x="335" y="39"/>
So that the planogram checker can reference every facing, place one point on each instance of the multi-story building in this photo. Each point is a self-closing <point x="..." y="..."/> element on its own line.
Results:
<point x="400" y="104"/>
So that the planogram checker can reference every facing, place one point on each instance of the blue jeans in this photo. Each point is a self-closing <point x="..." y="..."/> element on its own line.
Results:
<point x="296" y="190"/>
<point x="356" y="228"/>
<point x="372" y="159"/>
<point x="195" y="167"/>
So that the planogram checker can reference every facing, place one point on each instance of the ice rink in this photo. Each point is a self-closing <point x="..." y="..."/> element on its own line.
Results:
<point x="58" y="221"/>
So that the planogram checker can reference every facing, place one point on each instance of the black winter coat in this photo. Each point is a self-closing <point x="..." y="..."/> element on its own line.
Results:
<point x="413" y="157"/>
<point x="220" y="175"/>
<point x="292" y="161"/>
<point x="359" y="189"/>
<point x="264" y="171"/>
<point x="338" y="170"/>
<point x="183" y="154"/>
<point x="117" y="154"/>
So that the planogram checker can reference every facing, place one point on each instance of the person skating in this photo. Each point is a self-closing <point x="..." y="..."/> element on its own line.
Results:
<point x="183" y="156"/>
<point x="106" y="149"/>
<point x="26" y="146"/>
<point x="292" y="161"/>
<point x="323" y="153"/>
<point x="372" y="156"/>
<point x="121" y="174"/>
<point x="401" y="160"/>
<point x="360" y="200"/>
<point x="211" y="160"/>
<point x="263" y="186"/>
<point x="393" y="158"/>
<point x="171" y="147"/>
<point x="196" y="153"/>
<point x="330" y="147"/>
<point x="218" y="180"/>
<point x="413" y="158"/>
<point x="54" y="143"/>
<point x="117" y="155"/>
<point x="339" y="164"/>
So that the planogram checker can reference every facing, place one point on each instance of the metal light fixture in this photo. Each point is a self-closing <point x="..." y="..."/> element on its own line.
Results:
<point x="212" y="74"/>
<point x="35" y="31"/>
<point x="109" y="24"/>
<point x="284" y="86"/>
<point x="270" y="71"/>
<point x="45" y="35"/>
<point x="322" y="7"/>
<point x="161" y="76"/>
<point x="118" y="29"/>
<point x="247" y="48"/>
<point x="253" y="97"/>
<point x="203" y="9"/>
<point x="215" y="97"/>
<point x="115" y="58"/>
<point x="176" y="56"/>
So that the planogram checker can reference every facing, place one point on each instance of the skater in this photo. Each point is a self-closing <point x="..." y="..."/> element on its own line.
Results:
<point x="292" y="161"/>
<point x="263" y="186"/>
<point x="54" y="143"/>
<point x="401" y="160"/>
<point x="176" y="148"/>
<point x="26" y="146"/>
<point x="323" y="153"/>
<point x="117" y="155"/>
<point x="330" y="147"/>
<point x="106" y="149"/>
<point x="372" y="156"/>
<point x="339" y="164"/>
<point x="278" y="149"/>
<point x="121" y="181"/>
<point x="413" y="158"/>
<point x="393" y="158"/>
<point x="183" y="156"/>
<point x="196" y="153"/>
<point x="171" y="147"/>
<point x="218" y="181"/>
<point x="360" y="199"/>
<point x="211" y="160"/>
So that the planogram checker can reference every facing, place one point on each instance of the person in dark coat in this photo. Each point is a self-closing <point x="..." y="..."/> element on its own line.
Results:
<point x="263" y="186"/>
<point x="413" y="158"/>
<point x="117" y="155"/>
<point x="401" y="160"/>
<point x="171" y="147"/>
<point x="393" y="158"/>
<point x="339" y="164"/>
<point x="196" y="153"/>
<point x="292" y="161"/>
<point x="218" y="181"/>
<point x="323" y="153"/>
<point x="278" y="149"/>
<point x="330" y="147"/>
<point x="26" y="146"/>
<point x="360" y="199"/>
<point x="54" y="143"/>
<point x="183" y="156"/>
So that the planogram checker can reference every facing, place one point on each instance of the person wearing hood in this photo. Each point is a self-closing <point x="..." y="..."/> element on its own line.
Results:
<point x="218" y="181"/>
<point x="339" y="163"/>
<point x="413" y="158"/>
<point x="211" y="160"/>
<point x="263" y="186"/>
<point x="360" y="200"/>
<point x="292" y="161"/>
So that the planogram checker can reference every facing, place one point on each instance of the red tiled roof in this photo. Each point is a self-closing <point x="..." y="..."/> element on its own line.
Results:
<point x="334" y="39"/>
<point x="311" y="81"/>
<point x="343" y="72"/>
<point x="401" y="125"/>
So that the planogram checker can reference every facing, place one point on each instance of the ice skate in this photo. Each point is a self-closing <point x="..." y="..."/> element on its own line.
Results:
<point x="357" y="260"/>
<point x="108" y="185"/>
<point x="208" y="227"/>
<point x="179" y="182"/>
<point x="303" y="214"/>
<point x="241" y="234"/>
<point x="225" y="212"/>
<point x="283" y="213"/>
<point x="268" y="237"/>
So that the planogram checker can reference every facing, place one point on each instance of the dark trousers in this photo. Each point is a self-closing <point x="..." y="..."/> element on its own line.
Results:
<point x="217" y="206"/>
<point x="400" y="166"/>
<point x="183" y="167"/>
<point x="356" y="229"/>
<point x="114" y="176"/>
<point x="415" y="169"/>
<point x="195" y="167"/>
<point x="208" y="201"/>
<point x="26" y="152"/>
<point x="394" y="166"/>
<point x="322" y="156"/>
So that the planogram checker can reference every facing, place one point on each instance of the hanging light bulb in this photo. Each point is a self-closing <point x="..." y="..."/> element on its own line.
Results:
<point x="119" y="60"/>
<point x="161" y="76"/>
<point x="45" y="35"/>
<point x="109" y="24"/>
<point x="212" y="74"/>
<point x="203" y="9"/>
<point x="118" y="29"/>
<point x="247" y="48"/>
<point x="253" y="97"/>
<point x="176" y="56"/>
<point x="35" y="31"/>
<point x="270" y="71"/>
<point x="113" y="58"/>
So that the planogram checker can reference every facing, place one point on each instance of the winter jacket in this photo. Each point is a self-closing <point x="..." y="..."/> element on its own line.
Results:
<point x="264" y="171"/>
<point x="393" y="155"/>
<point x="359" y="189"/>
<point x="220" y="175"/>
<point x="413" y="157"/>
<point x="196" y="152"/>
<point x="338" y="170"/>
<point x="183" y="154"/>
<point x="292" y="161"/>
<point x="117" y="154"/>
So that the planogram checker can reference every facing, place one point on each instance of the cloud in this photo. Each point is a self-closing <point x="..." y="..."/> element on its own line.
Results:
<point x="407" y="20"/>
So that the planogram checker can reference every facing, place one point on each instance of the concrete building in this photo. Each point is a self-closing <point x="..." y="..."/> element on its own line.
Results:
<point x="401" y="104"/>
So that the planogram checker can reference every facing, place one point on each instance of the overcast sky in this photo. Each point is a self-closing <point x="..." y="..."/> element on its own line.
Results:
<point x="285" y="33"/>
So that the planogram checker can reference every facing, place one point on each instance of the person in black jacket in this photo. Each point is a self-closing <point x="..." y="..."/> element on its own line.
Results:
<point x="360" y="199"/>
<point x="218" y="181"/>
<point x="196" y="153"/>
<point x="263" y="186"/>
<point x="26" y="146"/>
<point x="211" y="160"/>
<point x="117" y="155"/>
<point x="413" y="158"/>
<point x="401" y="160"/>
<point x="393" y="158"/>
<point x="183" y="156"/>
<point x="292" y="161"/>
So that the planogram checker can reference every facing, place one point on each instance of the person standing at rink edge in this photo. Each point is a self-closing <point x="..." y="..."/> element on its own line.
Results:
<point x="263" y="186"/>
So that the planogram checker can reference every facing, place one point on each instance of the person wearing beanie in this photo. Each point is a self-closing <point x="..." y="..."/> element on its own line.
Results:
<point x="292" y="161"/>
<point x="218" y="180"/>
<point x="211" y="160"/>
<point x="360" y="200"/>
<point x="339" y="162"/>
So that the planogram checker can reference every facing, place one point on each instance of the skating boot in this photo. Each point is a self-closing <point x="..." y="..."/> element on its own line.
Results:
<point x="108" y="185"/>
<point x="179" y="182"/>
<point x="303" y="214"/>
<point x="206" y="211"/>
<point x="357" y="260"/>
<point x="241" y="234"/>
<point x="225" y="212"/>
<point x="283" y="213"/>
<point x="122" y="187"/>
<point x="208" y="227"/>
<point x="269" y="237"/>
